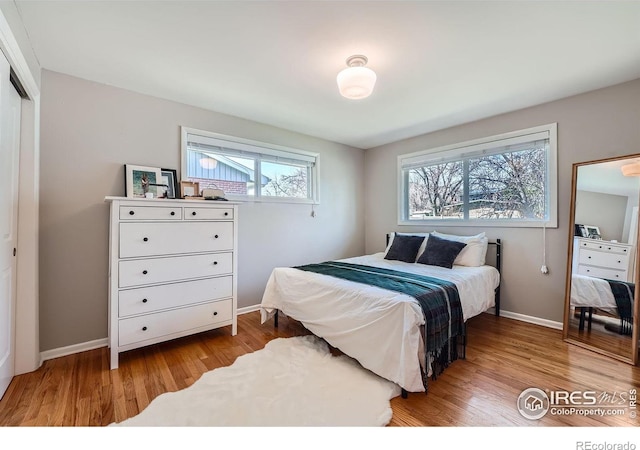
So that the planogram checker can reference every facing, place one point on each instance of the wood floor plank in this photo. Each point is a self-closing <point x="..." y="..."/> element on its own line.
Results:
<point x="503" y="358"/>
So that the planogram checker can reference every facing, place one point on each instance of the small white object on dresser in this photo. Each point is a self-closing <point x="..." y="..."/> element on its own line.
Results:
<point x="172" y="270"/>
<point x="603" y="259"/>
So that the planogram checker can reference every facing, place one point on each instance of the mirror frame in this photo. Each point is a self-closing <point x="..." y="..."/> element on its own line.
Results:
<point x="633" y="358"/>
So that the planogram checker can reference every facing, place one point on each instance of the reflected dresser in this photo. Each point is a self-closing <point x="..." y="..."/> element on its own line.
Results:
<point x="603" y="259"/>
<point x="172" y="270"/>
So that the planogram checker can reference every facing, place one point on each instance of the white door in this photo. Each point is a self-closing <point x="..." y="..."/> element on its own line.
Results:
<point x="9" y="148"/>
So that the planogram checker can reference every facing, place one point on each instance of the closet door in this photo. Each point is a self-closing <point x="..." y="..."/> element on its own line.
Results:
<point x="9" y="152"/>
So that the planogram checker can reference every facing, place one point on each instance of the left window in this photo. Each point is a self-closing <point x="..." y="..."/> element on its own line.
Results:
<point x="246" y="169"/>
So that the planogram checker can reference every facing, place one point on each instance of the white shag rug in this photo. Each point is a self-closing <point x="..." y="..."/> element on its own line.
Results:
<point x="291" y="382"/>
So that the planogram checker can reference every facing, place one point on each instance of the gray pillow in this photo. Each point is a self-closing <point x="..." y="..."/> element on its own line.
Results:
<point x="440" y="252"/>
<point x="404" y="248"/>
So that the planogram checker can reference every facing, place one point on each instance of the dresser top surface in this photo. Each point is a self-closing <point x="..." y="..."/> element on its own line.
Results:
<point x="168" y="201"/>
<point x="600" y="241"/>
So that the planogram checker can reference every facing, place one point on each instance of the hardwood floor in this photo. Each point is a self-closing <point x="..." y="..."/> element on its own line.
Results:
<point x="503" y="358"/>
<point x="598" y="336"/>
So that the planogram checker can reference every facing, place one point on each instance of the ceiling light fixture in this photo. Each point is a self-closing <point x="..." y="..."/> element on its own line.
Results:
<point x="631" y="170"/>
<point x="356" y="81"/>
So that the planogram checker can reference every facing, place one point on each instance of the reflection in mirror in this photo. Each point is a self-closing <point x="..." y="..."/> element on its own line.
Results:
<point x="600" y="305"/>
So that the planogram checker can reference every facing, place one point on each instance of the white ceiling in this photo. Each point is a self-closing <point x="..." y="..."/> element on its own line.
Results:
<point x="439" y="63"/>
<point x="607" y="178"/>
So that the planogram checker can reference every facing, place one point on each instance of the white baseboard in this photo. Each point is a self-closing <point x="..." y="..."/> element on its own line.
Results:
<point x="248" y="309"/>
<point x="531" y="319"/>
<point x="91" y="345"/>
<point x="71" y="349"/>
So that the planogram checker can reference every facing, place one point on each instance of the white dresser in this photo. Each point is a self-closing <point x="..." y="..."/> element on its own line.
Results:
<point x="172" y="270"/>
<point x="603" y="259"/>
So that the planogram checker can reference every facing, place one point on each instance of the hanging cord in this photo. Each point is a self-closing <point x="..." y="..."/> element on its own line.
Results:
<point x="544" y="268"/>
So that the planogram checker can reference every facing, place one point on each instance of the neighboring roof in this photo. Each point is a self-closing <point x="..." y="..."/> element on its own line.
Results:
<point x="242" y="172"/>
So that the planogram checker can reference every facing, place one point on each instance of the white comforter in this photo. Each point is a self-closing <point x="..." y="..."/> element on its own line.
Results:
<point x="592" y="292"/>
<point x="379" y="328"/>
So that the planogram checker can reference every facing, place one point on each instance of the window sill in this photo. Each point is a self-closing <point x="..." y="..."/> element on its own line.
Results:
<point x="247" y="199"/>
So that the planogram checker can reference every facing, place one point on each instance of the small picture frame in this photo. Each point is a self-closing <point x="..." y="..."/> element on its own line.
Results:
<point x="170" y="180"/>
<point x="593" y="232"/>
<point x="141" y="181"/>
<point x="580" y="230"/>
<point x="189" y="189"/>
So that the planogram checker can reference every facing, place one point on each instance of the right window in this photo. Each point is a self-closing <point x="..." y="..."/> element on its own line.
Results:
<point x="505" y="180"/>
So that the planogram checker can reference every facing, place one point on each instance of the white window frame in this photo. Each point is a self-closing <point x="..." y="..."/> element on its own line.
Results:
<point x="479" y="147"/>
<point x="255" y="149"/>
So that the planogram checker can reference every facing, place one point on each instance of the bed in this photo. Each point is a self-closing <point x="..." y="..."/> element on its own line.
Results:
<point x="384" y="329"/>
<point x="614" y="297"/>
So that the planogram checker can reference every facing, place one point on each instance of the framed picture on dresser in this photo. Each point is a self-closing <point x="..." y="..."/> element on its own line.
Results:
<point x="580" y="230"/>
<point x="141" y="181"/>
<point x="189" y="189"/>
<point x="170" y="179"/>
<point x="593" y="232"/>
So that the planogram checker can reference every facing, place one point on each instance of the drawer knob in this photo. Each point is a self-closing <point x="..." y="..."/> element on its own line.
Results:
<point x="144" y="272"/>
<point x="144" y="328"/>
<point x="145" y="239"/>
<point x="589" y="257"/>
<point x="600" y="246"/>
<point x="173" y="213"/>
<point x="131" y="213"/>
<point x="193" y="213"/>
<point x="215" y="263"/>
<point x="144" y="300"/>
<point x="226" y="213"/>
<point x="609" y="248"/>
<point x="215" y="313"/>
<point x="216" y="236"/>
<point x="619" y="262"/>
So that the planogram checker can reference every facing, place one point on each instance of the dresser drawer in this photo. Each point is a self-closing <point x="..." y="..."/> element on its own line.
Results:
<point x="604" y="246"/>
<point x="138" y="272"/>
<point x="599" y="272"/>
<point x="166" y="238"/>
<point x="599" y="258"/>
<point x="150" y="213"/>
<point x="195" y="213"/>
<point x="151" y="299"/>
<point x="152" y="326"/>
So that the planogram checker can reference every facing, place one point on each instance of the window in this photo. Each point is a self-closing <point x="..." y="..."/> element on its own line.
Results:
<point x="505" y="180"/>
<point x="246" y="169"/>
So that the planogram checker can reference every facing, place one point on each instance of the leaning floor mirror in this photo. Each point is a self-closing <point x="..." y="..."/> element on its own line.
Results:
<point x="601" y="307"/>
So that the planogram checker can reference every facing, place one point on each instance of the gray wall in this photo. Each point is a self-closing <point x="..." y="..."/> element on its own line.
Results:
<point x="89" y="130"/>
<point x="605" y="211"/>
<point x="595" y="125"/>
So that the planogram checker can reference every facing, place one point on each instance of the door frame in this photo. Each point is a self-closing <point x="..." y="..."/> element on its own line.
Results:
<point x="27" y="336"/>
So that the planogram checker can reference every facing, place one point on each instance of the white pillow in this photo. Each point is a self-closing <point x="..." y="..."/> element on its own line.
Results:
<point x="422" y="246"/>
<point x="475" y="252"/>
